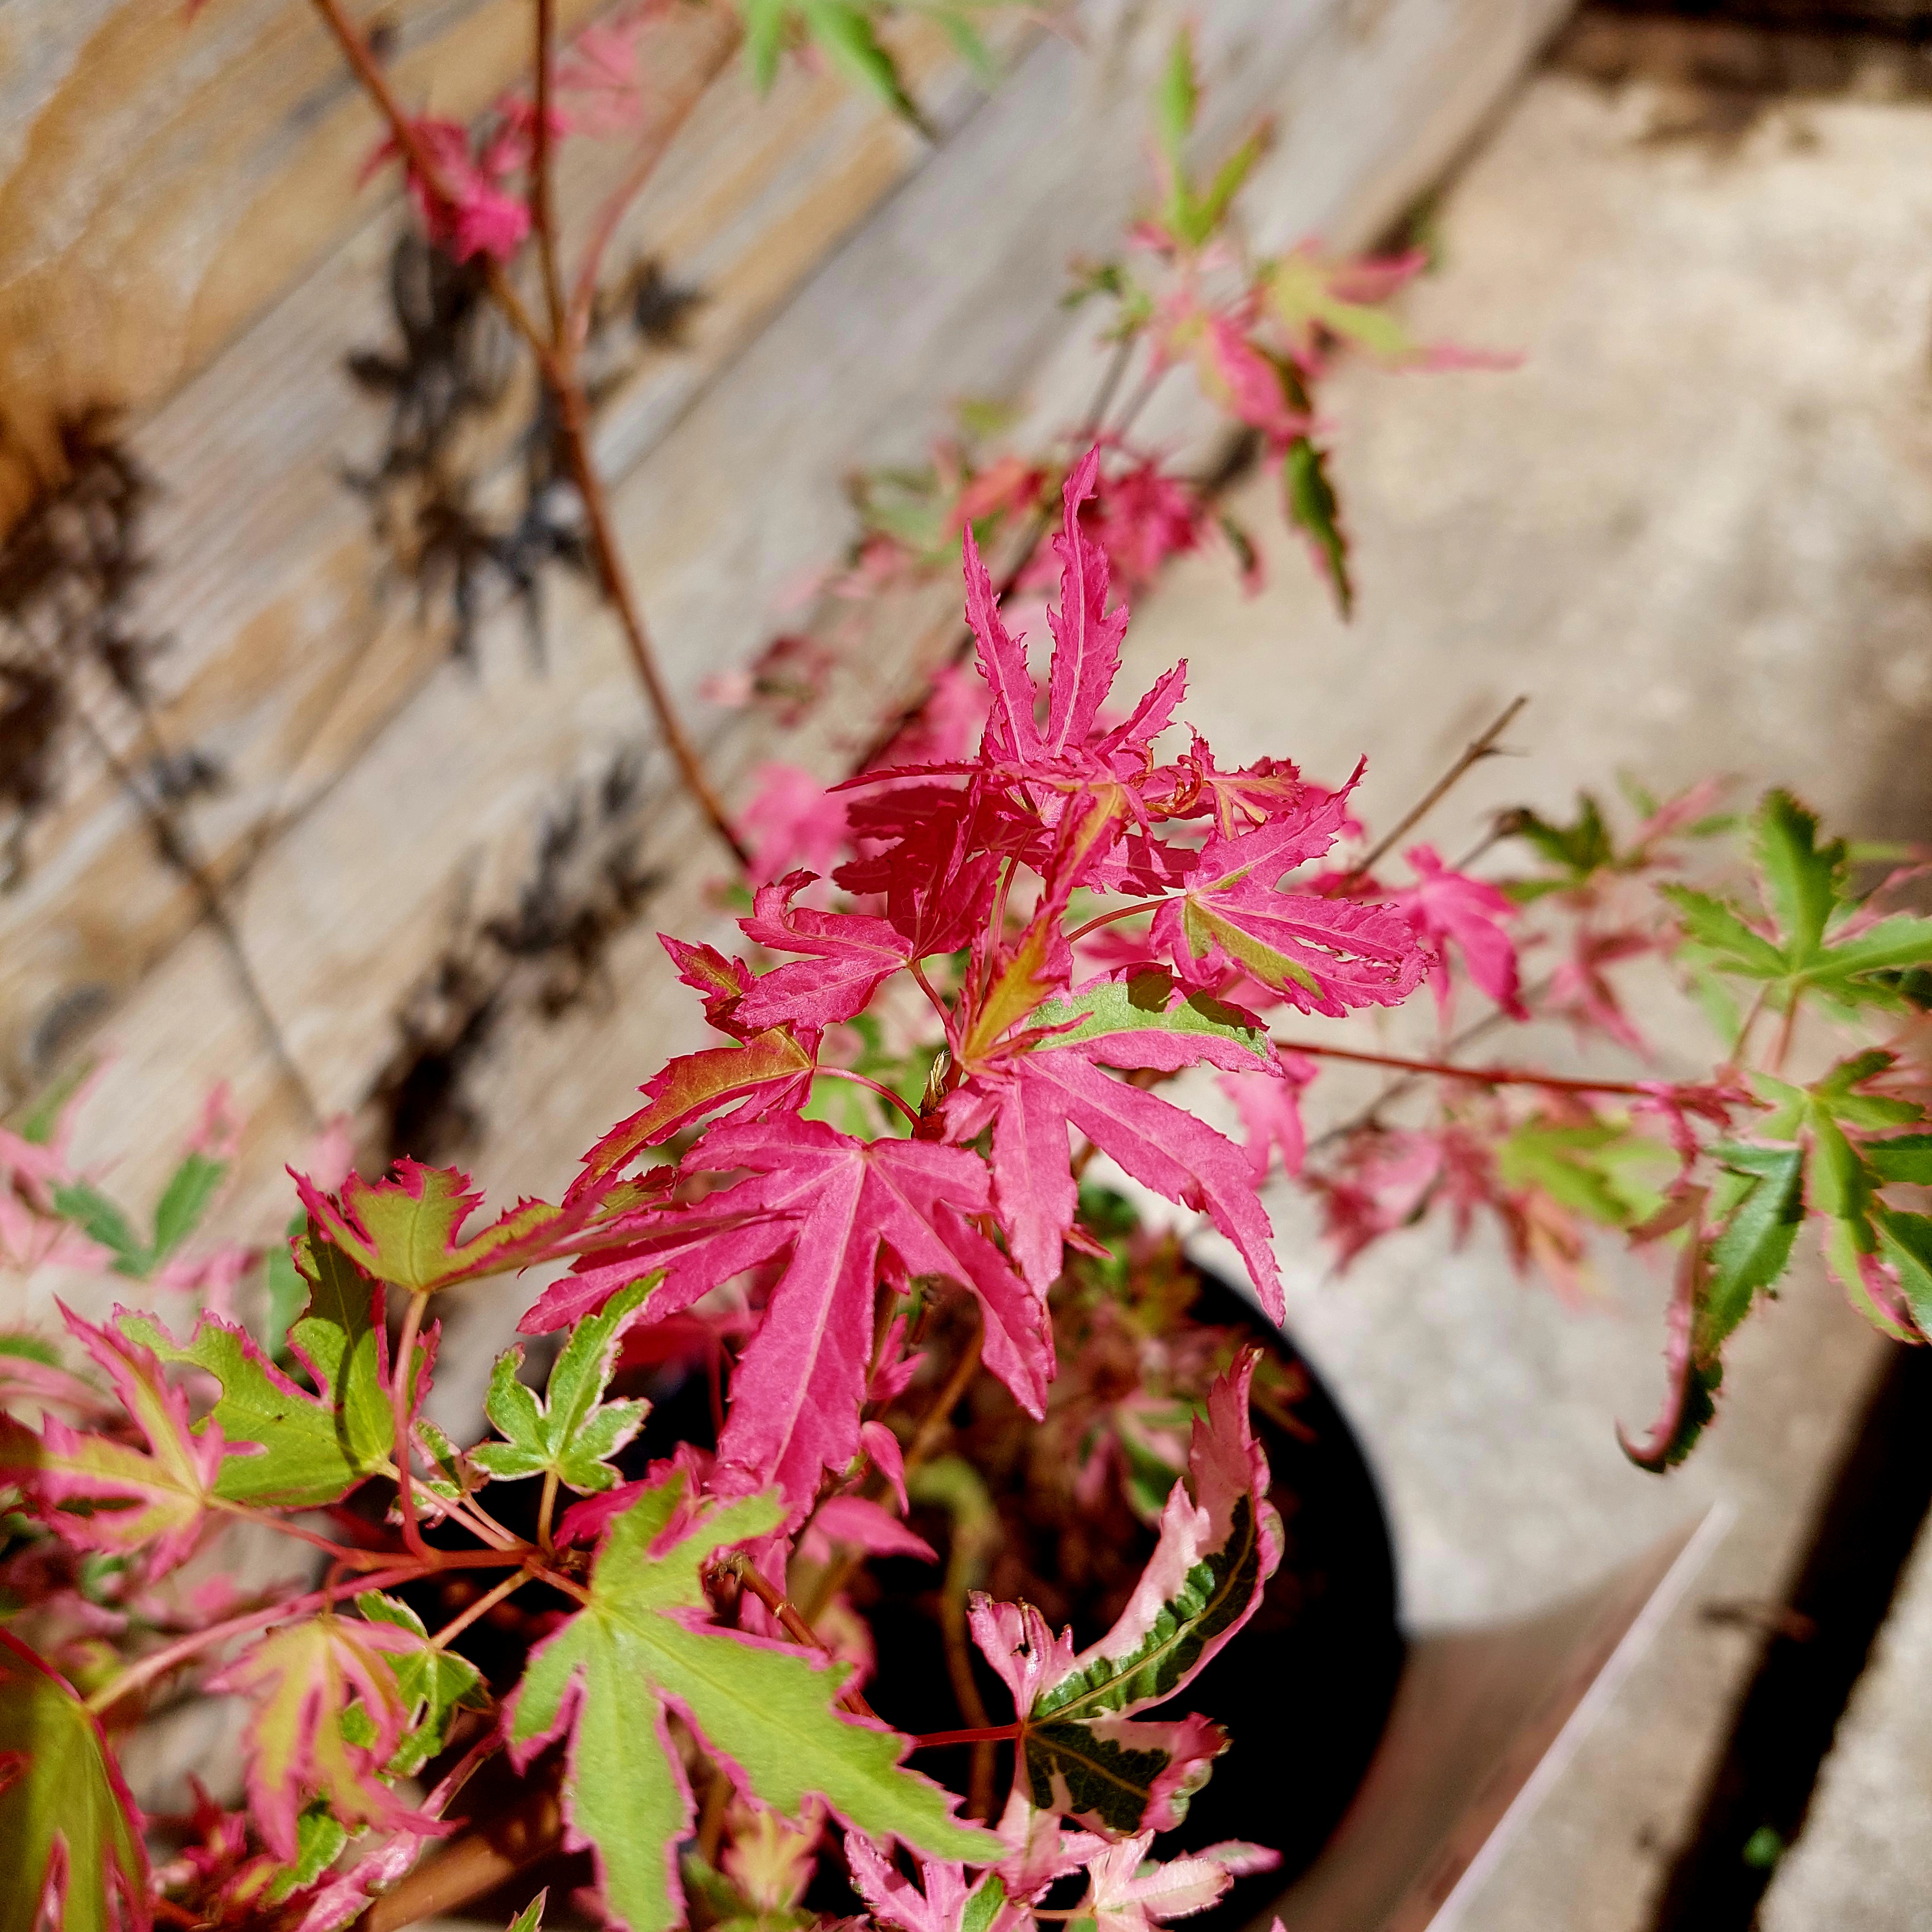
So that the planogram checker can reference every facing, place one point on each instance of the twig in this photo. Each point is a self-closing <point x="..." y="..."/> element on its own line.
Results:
<point x="1474" y="753"/>
<point x="937" y="1419"/>
<point x="543" y="210"/>
<point x="474" y="1864"/>
<point x="483" y="1606"/>
<point x="1480" y="1076"/>
<point x="795" y="1626"/>
<point x="885" y="1092"/>
<point x="574" y="429"/>
<point x="926" y="1436"/>
<point x="159" y="1663"/>
<point x="977" y="1734"/>
<point x="556" y="366"/>
<point x="644" y="158"/>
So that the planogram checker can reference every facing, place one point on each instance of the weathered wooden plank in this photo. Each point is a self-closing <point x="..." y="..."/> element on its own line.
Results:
<point x="166" y="179"/>
<point x="289" y="649"/>
<point x="952" y="287"/>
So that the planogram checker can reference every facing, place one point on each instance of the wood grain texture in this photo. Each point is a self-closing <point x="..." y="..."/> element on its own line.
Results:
<point x="166" y="179"/>
<point x="291" y="639"/>
<point x="949" y="288"/>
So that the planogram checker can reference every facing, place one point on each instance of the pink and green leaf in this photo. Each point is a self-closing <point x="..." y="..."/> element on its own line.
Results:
<point x="638" y="1652"/>
<point x="1081" y="1757"/>
<point x="75" y="1856"/>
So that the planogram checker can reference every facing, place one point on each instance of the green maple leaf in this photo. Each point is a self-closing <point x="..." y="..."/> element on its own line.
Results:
<point x="315" y="1447"/>
<point x="629" y="1656"/>
<point x="574" y="1432"/>
<point x="184" y="1201"/>
<point x="1594" y="1167"/>
<point x="1760" y="1205"/>
<point x="1838" y="1175"/>
<point x="432" y="1684"/>
<point x="1192" y="214"/>
<point x="1315" y="510"/>
<point x="530" y="1919"/>
<point x="1803" y="890"/>
<point x="408" y="1229"/>
<point x="62" y="1800"/>
<point x="1118" y="1010"/>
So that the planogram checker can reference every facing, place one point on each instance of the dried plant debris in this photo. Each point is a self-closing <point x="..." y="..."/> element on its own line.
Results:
<point x="69" y="568"/>
<point x="453" y="522"/>
<point x="545" y="955"/>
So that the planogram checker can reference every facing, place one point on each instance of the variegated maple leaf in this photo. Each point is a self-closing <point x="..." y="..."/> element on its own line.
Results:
<point x="75" y="1859"/>
<point x="408" y="1230"/>
<point x="101" y="1494"/>
<point x="1083" y="1753"/>
<point x="326" y="1716"/>
<point x="614" y="1674"/>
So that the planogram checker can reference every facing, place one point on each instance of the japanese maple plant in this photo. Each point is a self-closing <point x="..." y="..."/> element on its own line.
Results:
<point x="644" y="1632"/>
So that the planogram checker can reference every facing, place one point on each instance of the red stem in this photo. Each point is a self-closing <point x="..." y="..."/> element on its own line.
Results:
<point x="158" y="1662"/>
<point x="862" y="1080"/>
<point x="980" y="1734"/>
<point x="1108" y="918"/>
<point x="556" y="364"/>
<point x="794" y="1625"/>
<point x="400" y="1377"/>
<point x="1479" y="1076"/>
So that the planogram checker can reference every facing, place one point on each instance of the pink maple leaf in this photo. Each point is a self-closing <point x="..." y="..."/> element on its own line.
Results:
<point x="1269" y="1105"/>
<point x="599" y="70"/>
<point x="723" y="981"/>
<point x="849" y="958"/>
<point x="1445" y="906"/>
<point x="1163" y="1147"/>
<point x="861" y="1524"/>
<point x="1143" y="518"/>
<point x="468" y="213"/>
<point x="1321" y="956"/>
<point x="826" y="1203"/>
<point x="791" y="821"/>
<point x="1241" y="378"/>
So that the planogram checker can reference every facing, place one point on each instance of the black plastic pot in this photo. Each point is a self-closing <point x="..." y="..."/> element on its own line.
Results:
<point x="1303" y="1691"/>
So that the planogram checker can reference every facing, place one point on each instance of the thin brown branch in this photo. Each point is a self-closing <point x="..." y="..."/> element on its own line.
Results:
<point x="616" y="581"/>
<point x="556" y="364"/>
<point x="1474" y="753"/>
<point x="423" y="163"/>
<point x="794" y="1626"/>
<point x="879" y="1088"/>
<point x="938" y="1418"/>
<point x="651" y="142"/>
<point x="543" y="205"/>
